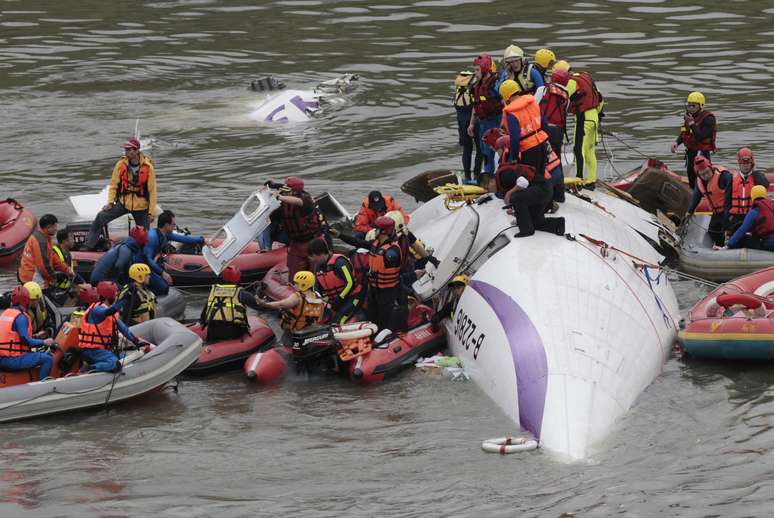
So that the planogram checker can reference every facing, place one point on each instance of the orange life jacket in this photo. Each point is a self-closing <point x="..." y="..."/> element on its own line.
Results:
<point x="380" y="275"/>
<point x="131" y="184"/>
<point x="10" y="341"/>
<point x="527" y="113"/>
<point x="553" y="163"/>
<point x="553" y="105"/>
<point x="484" y="105"/>
<point x="300" y="226"/>
<point x="764" y="223"/>
<point x="97" y="336"/>
<point x="714" y="194"/>
<point x="330" y="283"/>
<point x="706" y="144"/>
<point x="586" y="96"/>
<point x="306" y="313"/>
<point x="740" y="193"/>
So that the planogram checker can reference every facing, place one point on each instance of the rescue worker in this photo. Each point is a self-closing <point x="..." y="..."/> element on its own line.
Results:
<point x="158" y="238"/>
<point x="554" y="103"/>
<point x="62" y="250"/>
<point x="385" y="260"/>
<point x="487" y="107"/>
<point x="336" y="282"/>
<point x="517" y="68"/>
<point x="456" y="286"/>
<point x="759" y="223"/>
<point x="16" y="341"/>
<point x="302" y="309"/>
<point x="544" y="61"/>
<point x="132" y="189"/>
<point x="586" y="103"/>
<point x="139" y="301"/>
<point x="374" y="206"/>
<point x="463" y="104"/>
<point x="98" y="335"/>
<point x="40" y="318"/>
<point x="415" y="256"/>
<point x="114" y="264"/>
<point x="301" y="221"/>
<point x="712" y="184"/>
<point x="738" y="197"/>
<point x="698" y="133"/>
<point x="38" y="261"/>
<point x="225" y="313"/>
<point x="527" y="139"/>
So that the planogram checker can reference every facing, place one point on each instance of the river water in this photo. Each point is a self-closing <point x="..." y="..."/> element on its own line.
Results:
<point x="75" y="75"/>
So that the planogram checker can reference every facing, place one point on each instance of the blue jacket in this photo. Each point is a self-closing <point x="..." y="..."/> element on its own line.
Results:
<point x="157" y="240"/>
<point x="100" y="312"/>
<point x="19" y="325"/>
<point x="747" y="226"/>
<point x="114" y="265"/>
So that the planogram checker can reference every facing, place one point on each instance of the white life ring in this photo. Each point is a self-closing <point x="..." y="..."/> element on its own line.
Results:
<point x="355" y="331"/>
<point x="505" y="445"/>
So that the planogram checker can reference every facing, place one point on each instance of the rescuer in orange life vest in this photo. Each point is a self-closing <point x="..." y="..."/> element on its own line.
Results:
<point x="16" y="341"/>
<point x="132" y="189"/>
<point x="738" y="197"/>
<point x="697" y="133"/>
<point x="301" y="221"/>
<point x="528" y="145"/>
<point x="712" y="184"/>
<point x="759" y="222"/>
<point x="336" y="282"/>
<point x="374" y="206"/>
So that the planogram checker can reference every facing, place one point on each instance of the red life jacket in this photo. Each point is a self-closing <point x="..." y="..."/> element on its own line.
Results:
<point x="764" y="223"/>
<point x="300" y="226"/>
<point x="360" y="266"/>
<point x="527" y="113"/>
<point x="586" y="96"/>
<point x="706" y="144"/>
<point x="740" y="193"/>
<point x="553" y="162"/>
<point x="10" y="341"/>
<point x="130" y="184"/>
<point x="714" y="194"/>
<point x="524" y="170"/>
<point x="553" y="105"/>
<point x="97" y="336"/>
<point x="331" y="284"/>
<point x="380" y="275"/>
<point x="484" y="105"/>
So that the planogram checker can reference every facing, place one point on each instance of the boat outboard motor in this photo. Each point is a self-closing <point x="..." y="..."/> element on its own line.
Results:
<point x="268" y="83"/>
<point x="314" y="350"/>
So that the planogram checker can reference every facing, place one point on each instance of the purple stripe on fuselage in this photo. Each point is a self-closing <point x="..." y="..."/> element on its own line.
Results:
<point x="529" y="355"/>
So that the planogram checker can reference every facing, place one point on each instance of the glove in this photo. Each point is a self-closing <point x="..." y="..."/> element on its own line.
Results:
<point x="434" y="261"/>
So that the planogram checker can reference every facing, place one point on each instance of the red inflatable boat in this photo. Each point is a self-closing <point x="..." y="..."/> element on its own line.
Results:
<point x="230" y="353"/>
<point x="733" y="322"/>
<point x="275" y="283"/>
<point x="626" y="182"/>
<point x="16" y="225"/>
<point x="189" y="268"/>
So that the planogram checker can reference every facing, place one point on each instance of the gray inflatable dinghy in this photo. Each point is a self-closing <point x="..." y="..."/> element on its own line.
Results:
<point x="176" y="347"/>
<point x="698" y="258"/>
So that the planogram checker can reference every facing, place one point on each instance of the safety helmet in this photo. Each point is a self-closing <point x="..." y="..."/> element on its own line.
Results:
<point x="304" y="280"/>
<point x="501" y="143"/>
<point x="20" y="296"/>
<point x="139" y="272"/>
<point x="696" y="97"/>
<point x="88" y="295"/>
<point x="484" y="62"/>
<point x="701" y="163"/>
<point x="745" y="155"/>
<point x="107" y="290"/>
<point x="560" y="76"/>
<point x="509" y="88"/>
<point x="459" y="279"/>
<point x="513" y="51"/>
<point x="758" y="191"/>
<point x="232" y="274"/>
<point x="33" y="288"/>
<point x="560" y="65"/>
<point x="295" y="183"/>
<point x="491" y="135"/>
<point x="544" y="58"/>
<point x="139" y="234"/>
<point x="385" y="224"/>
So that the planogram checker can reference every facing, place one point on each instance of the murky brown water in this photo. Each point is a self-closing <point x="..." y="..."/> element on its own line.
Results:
<point x="74" y="76"/>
